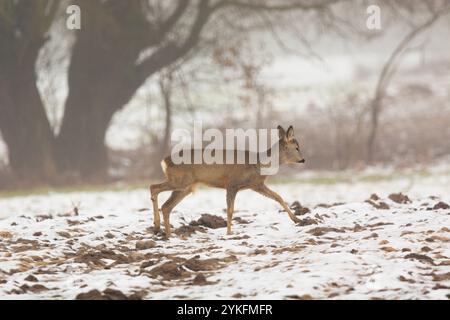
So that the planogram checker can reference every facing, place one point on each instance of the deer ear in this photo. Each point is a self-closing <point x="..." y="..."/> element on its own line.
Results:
<point x="281" y="132"/>
<point x="290" y="133"/>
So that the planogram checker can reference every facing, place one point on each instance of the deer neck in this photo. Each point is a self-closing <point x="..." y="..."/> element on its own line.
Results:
<point x="268" y="154"/>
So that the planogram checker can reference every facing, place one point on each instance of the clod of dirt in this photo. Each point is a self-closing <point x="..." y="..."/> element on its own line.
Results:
<point x="399" y="198"/>
<point x="299" y="209"/>
<point x="169" y="271"/>
<point x="324" y="205"/>
<point x="145" y="244"/>
<point x="196" y="264"/>
<point x="112" y="294"/>
<point x="27" y="245"/>
<point x="441" y="277"/>
<point x="109" y="235"/>
<point x="5" y="234"/>
<point x="148" y="263"/>
<point x="374" y="197"/>
<point x="36" y="288"/>
<point x="306" y="222"/>
<point x="420" y="257"/>
<point x="63" y="234"/>
<point x="210" y="221"/>
<point x="380" y="205"/>
<point x="441" y="205"/>
<point x="90" y="295"/>
<point x="200" y="280"/>
<point x="107" y="294"/>
<point x="372" y="235"/>
<point x="258" y="251"/>
<point x="379" y="224"/>
<point x="241" y="221"/>
<point x="42" y="217"/>
<point x="403" y="279"/>
<point x="188" y="230"/>
<point x="31" y="278"/>
<point x="319" y="231"/>
<point x="95" y="257"/>
<point x="37" y="234"/>
<point x="440" y="238"/>
<point x="302" y="297"/>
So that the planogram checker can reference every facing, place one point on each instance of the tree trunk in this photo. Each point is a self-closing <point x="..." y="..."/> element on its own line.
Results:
<point x="89" y="108"/>
<point x="23" y="122"/>
<point x="166" y="93"/>
<point x="98" y="87"/>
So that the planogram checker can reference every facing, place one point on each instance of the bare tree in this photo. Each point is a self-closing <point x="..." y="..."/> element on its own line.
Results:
<point x="390" y="67"/>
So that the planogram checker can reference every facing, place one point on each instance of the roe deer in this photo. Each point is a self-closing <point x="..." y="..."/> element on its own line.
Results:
<point x="182" y="178"/>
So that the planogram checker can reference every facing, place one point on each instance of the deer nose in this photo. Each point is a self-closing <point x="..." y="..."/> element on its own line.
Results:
<point x="302" y="161"/>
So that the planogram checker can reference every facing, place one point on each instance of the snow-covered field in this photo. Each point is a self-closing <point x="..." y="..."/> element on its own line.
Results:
<point x="346" y="248"/>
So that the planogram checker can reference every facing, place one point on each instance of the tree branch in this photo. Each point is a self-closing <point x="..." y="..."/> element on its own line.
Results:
<point x="170" y="52"/>
<point x="263" y="5"/>
<point x="175" y="16"/>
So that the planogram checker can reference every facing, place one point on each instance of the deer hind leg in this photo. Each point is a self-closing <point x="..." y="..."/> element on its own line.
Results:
<point x="231" y="196"/>
<point x="174" y="199"/>
<point x="155" y="190"/>
<point x="265" y="191"/>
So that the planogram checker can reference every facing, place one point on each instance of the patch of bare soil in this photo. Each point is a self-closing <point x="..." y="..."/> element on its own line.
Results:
<point x="145" y="244"/>
<point x="240" y="220"/>
<point x="169" y="271"/>
<point x="35" y="288"/>
<point x="200" y="280"/>
<point x="180" y="268"/>
<point x="399" y="198"/>
<point x="319" y="231"/>
<point x="188" y="230"/>
<point x="325" y="205"/>
<point x="109" y="294"/>
<point x="93" y="258"/>
<point x="196" y="264"/>
<point x="299" y="210"/>
<point x="210" y="221"/>
<point x="441" y="205"/>
<point x="441" y="277"/>
<point x="5" y="234"/>
<point x="420" y="257"/>
<point x="307" y="222"/>
<point x="376" y="202"/>
<point x="298" y="297"/>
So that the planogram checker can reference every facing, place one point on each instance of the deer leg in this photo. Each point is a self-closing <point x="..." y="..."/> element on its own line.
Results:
<point x="231" y="195"/>
<point x="155" y="189"/>
<point x="168" y="206"/>
<point x="265" y="191"/>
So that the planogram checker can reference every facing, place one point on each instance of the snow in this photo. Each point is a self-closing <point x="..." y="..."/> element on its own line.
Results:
<point x="363" y="258"/>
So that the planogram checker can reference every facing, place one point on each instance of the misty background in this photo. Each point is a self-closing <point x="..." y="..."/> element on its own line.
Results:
<point x="98" y="104"/>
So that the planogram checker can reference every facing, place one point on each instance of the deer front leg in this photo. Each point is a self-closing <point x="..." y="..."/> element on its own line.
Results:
<point x="155" y="189"/>
<point x="265" y="191"/>
<point x="231" y="195"/>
